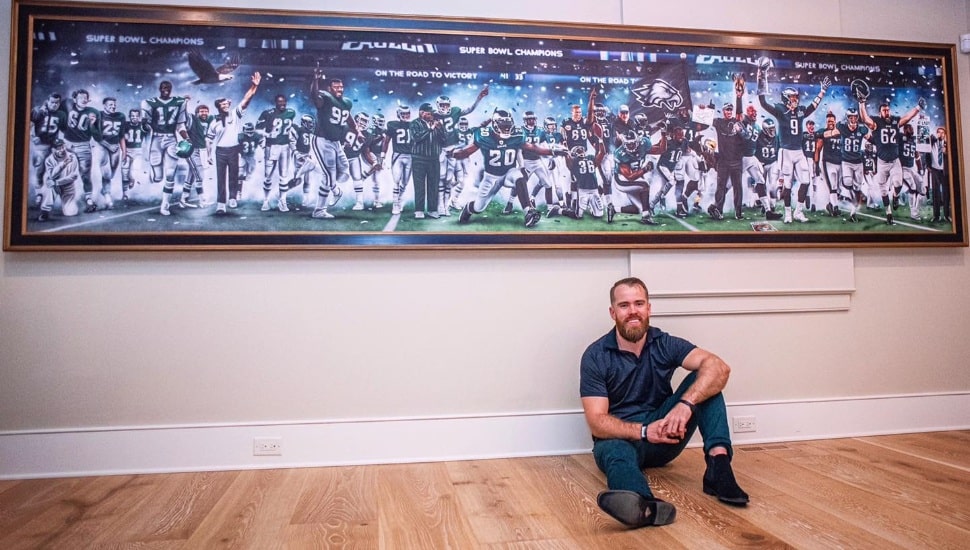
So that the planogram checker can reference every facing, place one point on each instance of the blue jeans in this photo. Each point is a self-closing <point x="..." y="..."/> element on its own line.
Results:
<point x="623" y="460"/>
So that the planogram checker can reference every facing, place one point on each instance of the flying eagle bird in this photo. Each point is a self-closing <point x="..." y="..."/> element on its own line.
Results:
<point x="207" y="73"/>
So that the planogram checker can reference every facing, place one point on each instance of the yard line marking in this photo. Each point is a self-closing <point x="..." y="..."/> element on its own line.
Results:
<point x="99" y="220"/>
<point x="391" y="223"/>
<point x="898" y="222"/>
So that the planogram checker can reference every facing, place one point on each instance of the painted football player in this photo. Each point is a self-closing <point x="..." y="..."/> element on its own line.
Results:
<point x="851" y="138"/>
<point x="333" y="122"/>
<point x="47" y="123"/>
<point x="500" y="143"/>
<point x="886" y="129"/>
<point x="135" y="131"/>
<point x="275" y="125"/>
<point x="196" y="127"/>
<point x="166" y="116"/>
<point x="631" y="168"/>
<point x="249" y="143"/>
<point x="449" y="116"/>
<point x="81" y="128"/>
<point x="61" y="174"/>
<point x="399" y="140"/>
<point x="791" y="119"/>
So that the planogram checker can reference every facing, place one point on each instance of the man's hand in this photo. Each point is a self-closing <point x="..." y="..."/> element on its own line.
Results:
<point x="739" y="84"/>
<point x="659" y="432"/>
<point x="824" y="85"/>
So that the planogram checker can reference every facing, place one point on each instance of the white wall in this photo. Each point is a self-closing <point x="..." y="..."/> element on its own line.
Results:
<point x="150" y="349"/>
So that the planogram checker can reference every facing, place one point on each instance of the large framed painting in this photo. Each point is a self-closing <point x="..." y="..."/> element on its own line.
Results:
<point x="151" y="127"/>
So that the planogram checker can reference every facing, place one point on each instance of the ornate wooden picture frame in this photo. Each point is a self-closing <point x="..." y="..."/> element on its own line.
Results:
<point x="139" y="127"/>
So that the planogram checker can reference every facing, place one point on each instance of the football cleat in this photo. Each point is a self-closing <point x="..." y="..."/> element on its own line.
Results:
<point x="830" y="210"/>
<point x="739" y="216"/>
<point x="396" y="208"/>
<point x="787" y="216"/>
<point x="610" y="213"/>
<point x="108" y="203"/>
<point x="335" y="195"/>
<point x="466" y="214"/>
<point x="282" y="204"/>
<point x="44" y="216"/>
<point x="681" y="211"/>
<point x="799" y="216"/>
<point x="265" y="206"/>
<point x="359" y="205"/>
<point x="434" y="215"/>
<point x="852" y="218"/>
<point x="321" y="214"/>
<point x="163" y="210"/>
<point x="532" y="217"/>
<point x="772" y="215"/>
<point x="184" y="203"/>
<point x="509" y="208"/>
<point x="714" y="212"/>
<point x="233" y="203"/>
<point x="554" y="211"/>
<point x="889" y="219"/>
<point x="647" y="218"/>
<point x="419" y="215"/>
<point x="91" y="207"/>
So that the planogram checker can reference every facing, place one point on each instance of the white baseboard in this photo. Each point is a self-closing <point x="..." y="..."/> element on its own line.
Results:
<point x="372" y="441"/>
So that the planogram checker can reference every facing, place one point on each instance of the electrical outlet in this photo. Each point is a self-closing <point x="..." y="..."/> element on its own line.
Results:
<point x="745" y="424"/>
<point x="268" y="446"/>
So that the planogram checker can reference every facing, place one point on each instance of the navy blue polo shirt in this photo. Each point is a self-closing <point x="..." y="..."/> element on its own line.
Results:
<point x="634" y="385"/>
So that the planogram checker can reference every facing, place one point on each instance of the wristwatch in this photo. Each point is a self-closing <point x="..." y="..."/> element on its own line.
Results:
<point x="643" y="432"/>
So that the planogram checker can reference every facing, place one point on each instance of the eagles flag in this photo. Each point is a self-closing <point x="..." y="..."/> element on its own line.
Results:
<point x="663" y="90"/>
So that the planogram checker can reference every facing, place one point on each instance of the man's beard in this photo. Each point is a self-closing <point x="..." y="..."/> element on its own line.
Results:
<point x="632" y="334"/>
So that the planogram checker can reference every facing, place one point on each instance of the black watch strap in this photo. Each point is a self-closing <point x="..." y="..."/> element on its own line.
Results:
<point x="691" y="406"/>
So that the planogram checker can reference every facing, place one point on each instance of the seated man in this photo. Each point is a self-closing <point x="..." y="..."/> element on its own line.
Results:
<point x="639" y="421"/>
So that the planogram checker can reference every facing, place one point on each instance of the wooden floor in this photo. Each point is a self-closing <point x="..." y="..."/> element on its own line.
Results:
<point x="902" y="491"/>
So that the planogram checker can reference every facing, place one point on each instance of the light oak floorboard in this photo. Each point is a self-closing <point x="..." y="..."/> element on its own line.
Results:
<point x="902" y="491"/>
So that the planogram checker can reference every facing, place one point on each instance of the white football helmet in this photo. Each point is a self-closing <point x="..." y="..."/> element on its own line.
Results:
<point x="443" y="103"/>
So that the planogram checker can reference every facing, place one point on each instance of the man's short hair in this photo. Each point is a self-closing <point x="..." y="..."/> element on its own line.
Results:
<point x="628" y="281"/>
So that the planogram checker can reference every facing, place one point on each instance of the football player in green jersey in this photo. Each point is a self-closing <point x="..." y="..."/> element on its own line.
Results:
<point x="399" y="137"/>
<point x="249" y="143"/>
<point x="166" y="116"/>
<point x="333" y="126"/>
<point x="450" y="116"/>
<point x="81" y="126"/>
<point x="197" y="126"/>
<point x="500" y="144"/>
<point x="275" y="124"/>
<point x="47" y="123"/>
<point x="886" y="130"/>
<point x="133" y="135"/>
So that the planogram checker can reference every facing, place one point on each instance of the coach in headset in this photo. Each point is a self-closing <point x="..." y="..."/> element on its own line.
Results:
<point x="638" y="421"/>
